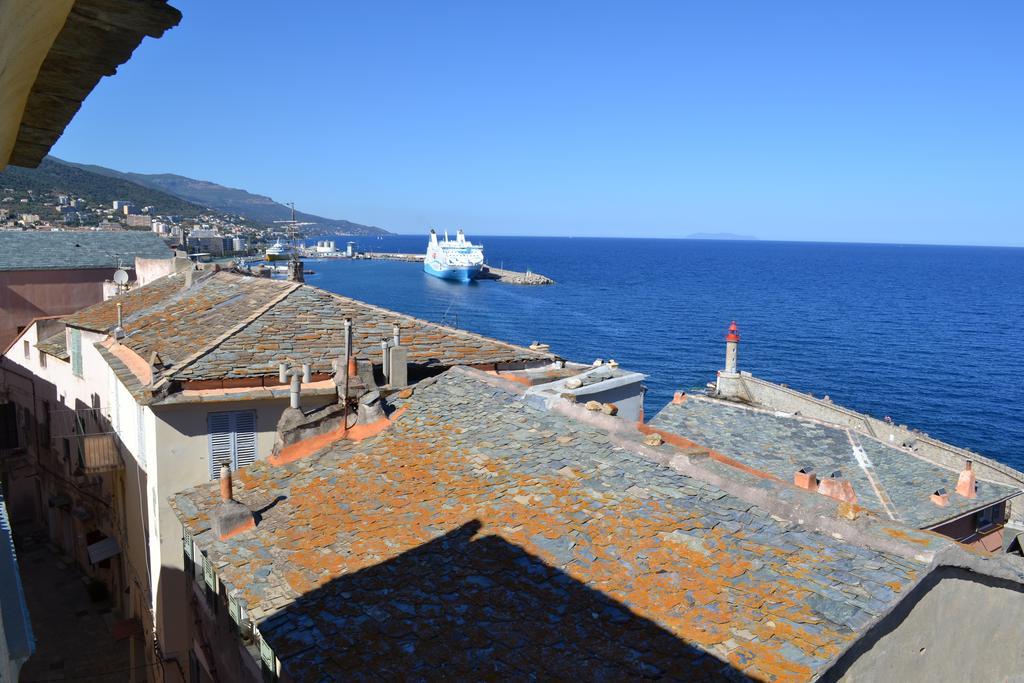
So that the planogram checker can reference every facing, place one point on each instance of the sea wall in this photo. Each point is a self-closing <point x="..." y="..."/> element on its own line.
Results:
<point x="746" y="387"/>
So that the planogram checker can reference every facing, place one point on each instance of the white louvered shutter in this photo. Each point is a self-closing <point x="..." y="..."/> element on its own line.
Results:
<point x="245" y="438"/>
<point x="221" y="442"/>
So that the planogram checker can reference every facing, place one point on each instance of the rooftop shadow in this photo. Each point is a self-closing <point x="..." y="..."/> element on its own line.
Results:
<point x="475" y="607"/>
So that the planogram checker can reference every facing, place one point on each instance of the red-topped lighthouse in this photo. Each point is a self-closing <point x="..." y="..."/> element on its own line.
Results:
<point x="732" y="344"/>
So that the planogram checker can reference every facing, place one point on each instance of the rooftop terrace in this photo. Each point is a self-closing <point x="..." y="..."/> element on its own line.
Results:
<point x="543" y="545"/>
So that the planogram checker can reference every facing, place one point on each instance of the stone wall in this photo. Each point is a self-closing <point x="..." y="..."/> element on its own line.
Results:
<point x="766" y="394"/>
<point x="955" y="626"/>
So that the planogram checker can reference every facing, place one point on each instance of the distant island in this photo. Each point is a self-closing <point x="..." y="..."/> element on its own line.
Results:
<point x="718" y="236"/>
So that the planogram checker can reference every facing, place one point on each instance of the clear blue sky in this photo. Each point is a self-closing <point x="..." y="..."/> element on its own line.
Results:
<point x="861" y="121"/>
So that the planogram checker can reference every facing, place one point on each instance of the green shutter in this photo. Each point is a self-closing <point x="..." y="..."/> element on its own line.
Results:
<point x="76" y="352"/>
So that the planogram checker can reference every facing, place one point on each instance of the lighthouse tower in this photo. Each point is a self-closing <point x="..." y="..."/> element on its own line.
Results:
<point x="728" y="384"/>
<point x="732" y="344"/>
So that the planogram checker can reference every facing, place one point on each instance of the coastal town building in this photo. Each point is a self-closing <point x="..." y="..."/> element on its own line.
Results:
<point x="124" y="403"/>
<point x="55" y="273"/>
<point x="484" y="534"/>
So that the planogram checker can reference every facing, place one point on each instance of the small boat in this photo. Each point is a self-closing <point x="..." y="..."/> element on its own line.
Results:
<point x="453" y="260"/>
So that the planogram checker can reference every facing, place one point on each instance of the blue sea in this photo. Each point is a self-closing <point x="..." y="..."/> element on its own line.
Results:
<point x="932" y="336"/>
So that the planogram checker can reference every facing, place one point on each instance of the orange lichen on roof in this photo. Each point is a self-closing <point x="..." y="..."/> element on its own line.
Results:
<point x="916" y="537"/>
<point x="717" y="577"/>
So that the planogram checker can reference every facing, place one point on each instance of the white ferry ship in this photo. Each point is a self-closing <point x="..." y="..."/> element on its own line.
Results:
<point x="453" y="260"/>
<point x="279" y="251"/>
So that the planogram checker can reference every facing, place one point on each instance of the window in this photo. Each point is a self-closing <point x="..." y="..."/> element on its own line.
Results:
<point x="9" y="434"/>
<point x="75" y="351"/>
<point x="28" y="349"/>
<point x="186" y="543"/>
<point x="989" y="516"/>
<point x="42" y="359"/>
<point x="232" y="440"/>
<point x="210" y="583"/>
<point x="45" y="437"/>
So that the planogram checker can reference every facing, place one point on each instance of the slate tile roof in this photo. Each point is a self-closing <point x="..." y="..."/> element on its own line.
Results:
<point x="55" y="345"/>
<point x="781" y="444"/>
<point x="482" y="537"/>
<point x="231" y="326"/>
<point x="30" y="250"/>
<point x="308" y="324"/>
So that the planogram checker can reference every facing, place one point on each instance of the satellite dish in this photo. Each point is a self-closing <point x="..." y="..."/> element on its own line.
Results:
<point x="120" y="277"/>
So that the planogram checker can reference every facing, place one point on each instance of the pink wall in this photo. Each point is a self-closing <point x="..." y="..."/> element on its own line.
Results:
<point x="28" y="294"/>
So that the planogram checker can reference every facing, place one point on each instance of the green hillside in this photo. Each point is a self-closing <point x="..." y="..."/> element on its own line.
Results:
<point x="255" y="207"/>
<point x="54" y="177"/>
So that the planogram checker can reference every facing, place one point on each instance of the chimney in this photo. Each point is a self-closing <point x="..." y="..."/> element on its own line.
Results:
<point x="296" y="271"/>
<point x="835" y="486"/>
<point x="307" y="373"/>
<point x="282" y="373"/>
<point x="230" y="517"/>
<point x="190" y="274"/>
<point x="806" y="479"/>
<point x="941" y="498"/>
<point x="225" y="484"/>
<point x="966" y="485"/>
<point x="396" y="334"/>
<point x="732" y="343"/>
<point x="679" y="398"/>
<point x="119" y="330"/>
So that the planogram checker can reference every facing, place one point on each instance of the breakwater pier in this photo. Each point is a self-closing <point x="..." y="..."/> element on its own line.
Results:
<point x="512" y="277"/>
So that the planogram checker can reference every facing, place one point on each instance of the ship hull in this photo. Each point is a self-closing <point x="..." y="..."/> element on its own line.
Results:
<point x="451" y="273"/>
<point x="278" y="257"/>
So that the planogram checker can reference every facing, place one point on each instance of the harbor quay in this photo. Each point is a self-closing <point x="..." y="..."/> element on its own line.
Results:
<point x="252" y="465"/>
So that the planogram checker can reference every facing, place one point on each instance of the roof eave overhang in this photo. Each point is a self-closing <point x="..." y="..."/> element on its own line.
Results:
<point x="972" y="511"/>
<point x="57" y="53"/>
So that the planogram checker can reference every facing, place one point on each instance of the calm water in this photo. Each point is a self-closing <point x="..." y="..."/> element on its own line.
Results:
<point x="932" y="336"/>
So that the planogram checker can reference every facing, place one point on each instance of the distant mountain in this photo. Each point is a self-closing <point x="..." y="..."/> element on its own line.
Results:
<point x="255" y="207"/>
<point x="718" y="236"/>
<point x="54" y="176"/>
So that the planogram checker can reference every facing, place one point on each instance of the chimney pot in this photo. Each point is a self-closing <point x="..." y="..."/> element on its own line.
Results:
<point x="805" y="478"/>
<point x="835" y="486"/>
<point x="225" y="483"/>
<point x="282" y="373"/>
<point x="295" y="392"/>
<point x="307" y="373"/>
<point x="679" y="398"/>
<point x="941" y="497"/>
